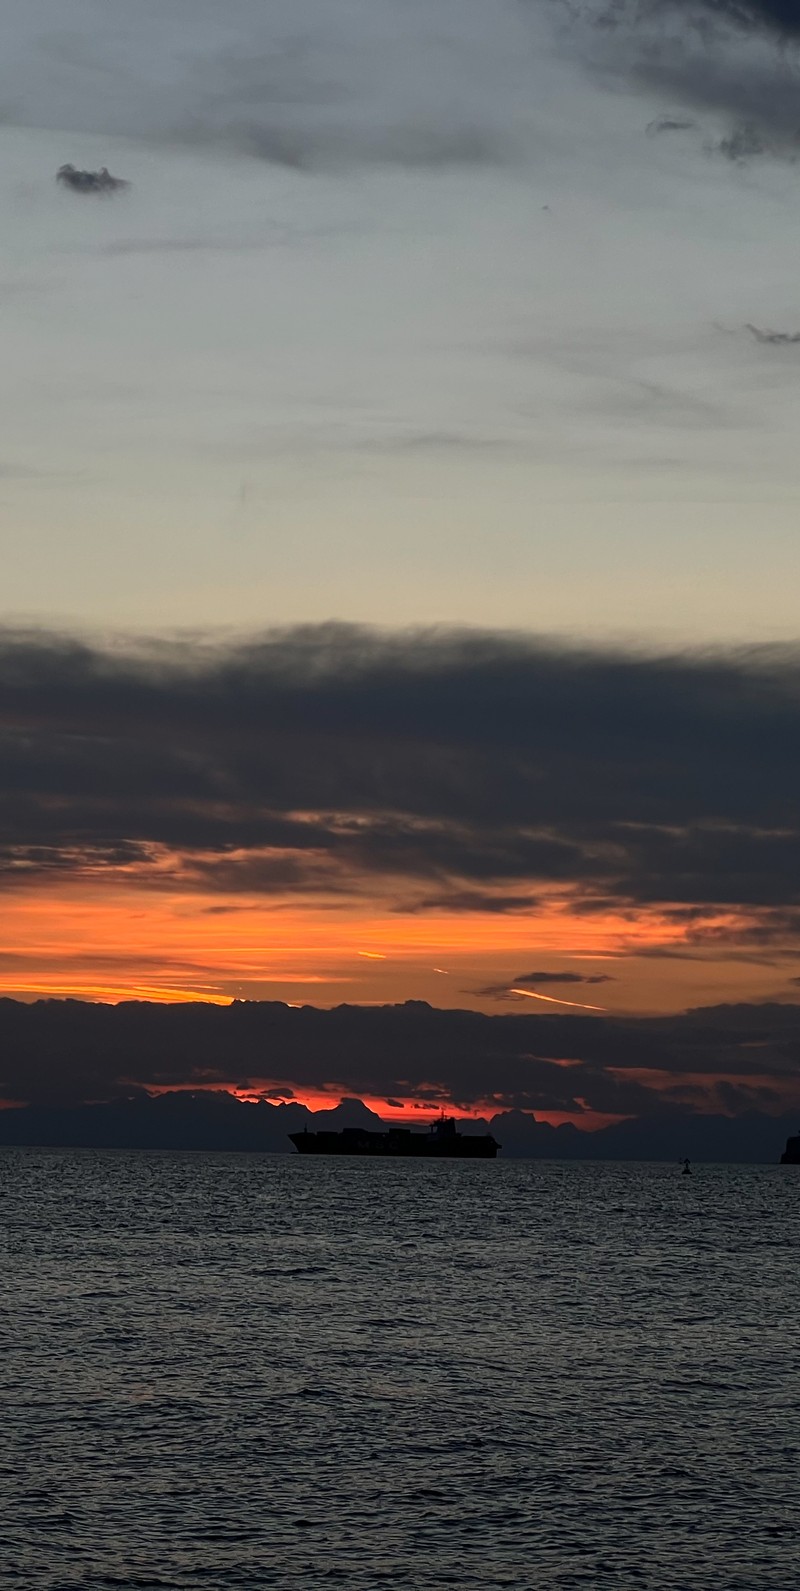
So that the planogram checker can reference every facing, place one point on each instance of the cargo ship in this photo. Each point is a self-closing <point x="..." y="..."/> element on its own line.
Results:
<point x="442" y="1142"/>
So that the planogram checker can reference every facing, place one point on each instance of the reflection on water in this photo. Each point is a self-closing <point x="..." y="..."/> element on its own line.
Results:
<point x="247" y="1372"/>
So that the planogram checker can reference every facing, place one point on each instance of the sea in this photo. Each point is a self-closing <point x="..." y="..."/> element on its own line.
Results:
<point x="232" y="1371"/>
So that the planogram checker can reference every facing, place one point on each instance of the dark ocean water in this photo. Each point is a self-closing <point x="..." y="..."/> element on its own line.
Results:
<point x="279" y="1372"/>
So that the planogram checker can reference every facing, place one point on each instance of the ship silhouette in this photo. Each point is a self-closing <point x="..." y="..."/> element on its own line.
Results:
<point x="791" y="1154"/>
<point x="442" y="1142"/>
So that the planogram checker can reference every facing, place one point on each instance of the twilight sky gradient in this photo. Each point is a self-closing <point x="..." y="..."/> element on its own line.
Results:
<point x="410" y="315"/>
<point x="399" y="501"/>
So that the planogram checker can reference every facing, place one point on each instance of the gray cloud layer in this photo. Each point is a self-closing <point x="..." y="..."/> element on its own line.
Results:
<point x="733" y="1058"/>
<point x="298" y="83"/>
<point x="737" y="62"/>
<point x="457" y="763"/>
<point x="778" y="17"/>
<point x="311" y="86"/>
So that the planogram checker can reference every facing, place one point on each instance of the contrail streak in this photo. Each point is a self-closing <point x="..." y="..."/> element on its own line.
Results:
<point x="551" y="1000"/>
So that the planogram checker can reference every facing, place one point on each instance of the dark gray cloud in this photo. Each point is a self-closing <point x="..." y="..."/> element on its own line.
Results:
<point x="561" y="977"/>
<point x="777" y="339"/>
<point x="457" y="899"/>
<point x="779" y="17"/>
<point x="467" y="770"/>
<point x="532" y="980"/>
<point x="64" y="1052"/>
<point x="742" y="143"/>
<point x="300" y="86"/>
<point x="295" y="83"/>
<point x="668" y="124"/>
<point x="737" y="63"/>
<point x="98" y="183"/>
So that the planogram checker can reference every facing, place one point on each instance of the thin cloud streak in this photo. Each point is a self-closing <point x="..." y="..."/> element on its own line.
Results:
<point x="531" y="994"/>
<point x="776" y="339"/>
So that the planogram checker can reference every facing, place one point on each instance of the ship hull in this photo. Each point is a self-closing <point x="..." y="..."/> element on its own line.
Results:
<point x="399" y="1145"/>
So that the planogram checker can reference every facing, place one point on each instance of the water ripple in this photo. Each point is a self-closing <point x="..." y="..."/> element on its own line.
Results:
<point x="236" y="1372"/>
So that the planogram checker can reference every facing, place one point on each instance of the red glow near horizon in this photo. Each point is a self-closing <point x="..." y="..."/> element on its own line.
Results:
<point x="408" y="1112"/>
<point x="119" y="940"/>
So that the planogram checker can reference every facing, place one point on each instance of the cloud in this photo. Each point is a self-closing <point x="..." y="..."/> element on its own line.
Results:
<point x="511" y="989"/>
<point x="736" y="63"/>
<point x="98" y="183"/>
<point x="457" y="771"/>
<point x="780" y="17"/>
<point x="294" y="83"/>
<point x="457" y="899"/>
<point x="562" y="977"/>
<point x="668" y="124"/>
<point x="552" y="999"/>
<point x="426" y="86"/>
<point x="60" y="1053"/>
<point x="742" y="144"/>
<point x="775" y="338"/>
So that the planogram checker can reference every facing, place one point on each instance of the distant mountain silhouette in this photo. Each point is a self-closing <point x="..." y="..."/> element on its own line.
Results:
<point x="57" y="1055"/>
<point x="211" y="1121"/>
<point x="753" y="1137"/>
<point x="217" y="1121"/>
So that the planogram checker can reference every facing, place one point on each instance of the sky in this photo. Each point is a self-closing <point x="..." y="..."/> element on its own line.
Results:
<point x="411" y="314"/>
<point x="398" y="500"/>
